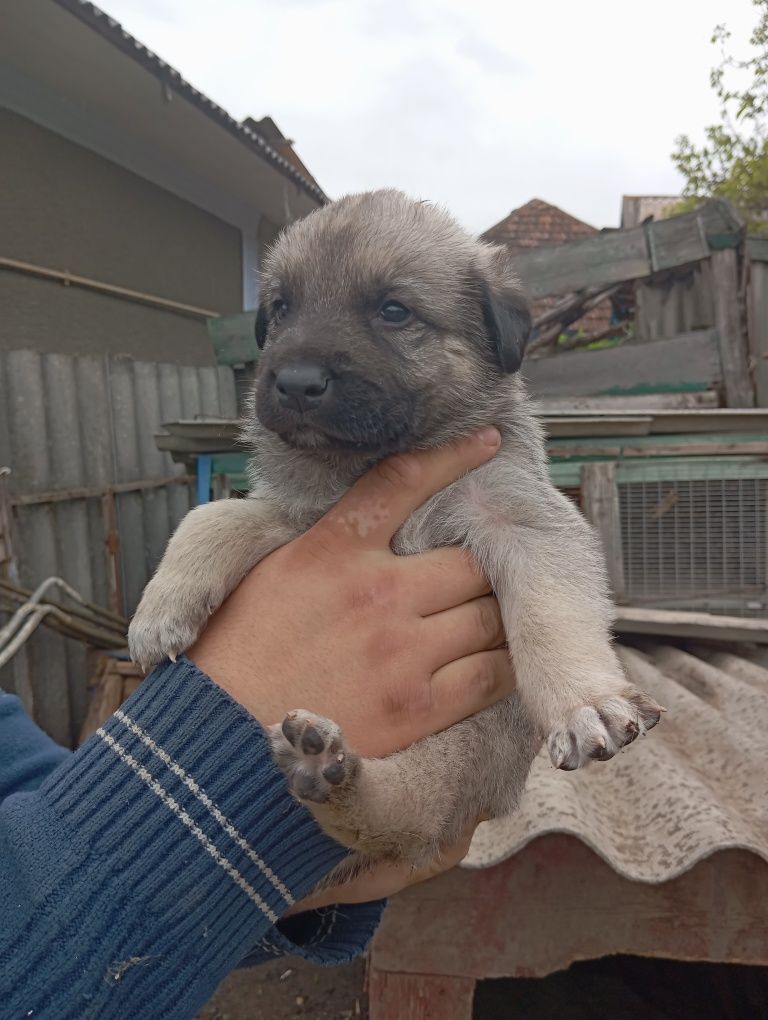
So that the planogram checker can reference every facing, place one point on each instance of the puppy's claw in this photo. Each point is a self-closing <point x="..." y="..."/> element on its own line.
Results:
<point x="597" y="733"/>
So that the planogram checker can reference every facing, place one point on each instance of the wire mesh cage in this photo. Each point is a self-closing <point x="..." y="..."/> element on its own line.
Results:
<point x="696" y="538"/>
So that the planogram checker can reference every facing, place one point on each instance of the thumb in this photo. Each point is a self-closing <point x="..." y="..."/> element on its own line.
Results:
<point x="384" y="498"/>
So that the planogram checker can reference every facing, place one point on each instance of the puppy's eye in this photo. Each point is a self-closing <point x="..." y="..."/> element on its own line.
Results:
<point x="279" y="309"/>
<point x="394" y="312"/>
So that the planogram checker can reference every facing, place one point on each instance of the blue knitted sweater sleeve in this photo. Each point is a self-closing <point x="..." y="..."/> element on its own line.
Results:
<point x="138" y="871"/>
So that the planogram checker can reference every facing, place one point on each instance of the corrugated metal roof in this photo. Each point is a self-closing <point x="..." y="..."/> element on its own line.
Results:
<point x="696" y="785"/>
<point x="114" y="32"/>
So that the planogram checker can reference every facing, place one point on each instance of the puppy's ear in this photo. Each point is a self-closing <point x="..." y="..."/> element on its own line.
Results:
<point x="260" y="328"/>
<point x="506" y="314"/>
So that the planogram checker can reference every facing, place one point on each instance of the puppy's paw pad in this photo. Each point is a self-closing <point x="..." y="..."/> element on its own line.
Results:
<point x="596" y="733"/>
<point x="311" y="752"/>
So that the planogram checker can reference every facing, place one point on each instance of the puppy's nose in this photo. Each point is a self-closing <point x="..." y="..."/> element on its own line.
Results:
<point x="302" y="385"/>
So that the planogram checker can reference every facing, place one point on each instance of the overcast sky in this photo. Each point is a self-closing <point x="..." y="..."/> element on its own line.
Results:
<point x="479" y="104"/>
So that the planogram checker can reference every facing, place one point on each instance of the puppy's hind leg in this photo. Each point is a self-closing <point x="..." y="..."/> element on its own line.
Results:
<point x="412" y="804"/>
<point x="210" y="552"/>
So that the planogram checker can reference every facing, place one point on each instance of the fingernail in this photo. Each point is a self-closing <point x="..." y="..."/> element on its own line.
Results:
<point x="489" y="437"/>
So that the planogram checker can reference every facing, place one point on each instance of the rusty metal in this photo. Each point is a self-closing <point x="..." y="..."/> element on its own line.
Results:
<point x="94" y="492"/>
<point x="136" y="296"/>
<point x="8" y="564"/>
<point x="112" y="553"/>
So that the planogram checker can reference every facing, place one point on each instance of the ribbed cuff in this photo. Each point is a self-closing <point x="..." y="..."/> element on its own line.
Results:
<point x="165" y="849"/>
<point x="328" y="936"/>
<point x="199" y="785"/>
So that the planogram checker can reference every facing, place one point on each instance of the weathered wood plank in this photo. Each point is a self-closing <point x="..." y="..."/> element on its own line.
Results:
<point x="733" y="348"/>
<point x="614" y="256"/>
<point x="637" y="404"/>
<point x="758" y="326"/>
<point x="233" y="338"/>
<point x="681" y="623"/>
<point x="525" y="917"/>
<point x="713" y="448"/>
<point x="757" y="248"/>
<point x="689" y="362"/>
<point x="680" y="241"/>
<point x="602" y="259"/>
<point x="419" y="996"/>
<point x="575" y="422"/>
<point x="600" y="501"/>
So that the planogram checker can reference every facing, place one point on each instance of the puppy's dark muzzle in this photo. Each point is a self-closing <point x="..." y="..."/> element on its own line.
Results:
<point x="303" y="386"/>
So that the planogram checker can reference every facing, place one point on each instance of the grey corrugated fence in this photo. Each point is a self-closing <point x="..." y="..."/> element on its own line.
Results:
<point x="95" y="501"/>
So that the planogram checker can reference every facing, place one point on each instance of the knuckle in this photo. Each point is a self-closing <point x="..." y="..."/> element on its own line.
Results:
<point x="485" y="679"/>
<point x="489" y="619"/>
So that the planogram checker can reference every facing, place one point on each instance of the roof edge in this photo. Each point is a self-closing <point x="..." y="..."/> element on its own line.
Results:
<point x="111" y="30"/>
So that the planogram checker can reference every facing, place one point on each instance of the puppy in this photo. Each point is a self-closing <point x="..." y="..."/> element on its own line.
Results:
<point x="385" y="327"/>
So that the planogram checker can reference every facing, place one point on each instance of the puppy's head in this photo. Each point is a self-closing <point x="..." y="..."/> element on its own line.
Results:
<point x="384" y="326"/>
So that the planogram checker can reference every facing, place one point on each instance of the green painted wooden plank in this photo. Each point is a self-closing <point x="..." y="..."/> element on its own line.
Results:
<point x="686" y="363"/>
<point x="758" y="248"/>
<point x="567" y="474"/>
<point x="656" y="440"/>
<point x="233" y="338"/>
<point x="647" y="389"/>
<point x="230" y="463"/>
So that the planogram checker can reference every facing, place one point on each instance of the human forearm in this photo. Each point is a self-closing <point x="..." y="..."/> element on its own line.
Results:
<point x="155" y="860"/>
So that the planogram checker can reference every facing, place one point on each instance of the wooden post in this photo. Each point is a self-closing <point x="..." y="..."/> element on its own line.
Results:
<point x="600" y="499"/>
<point x="758" y="327"/>
<point x="112" y="553"/>
<point x="419" y="996"/>
<point x="734" y="356"/>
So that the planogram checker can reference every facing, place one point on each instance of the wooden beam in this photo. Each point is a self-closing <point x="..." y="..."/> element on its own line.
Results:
<point x="600" y="501"/>
<point x="687" y="363"/>
<point x="679" y="623"/>
<point x="732" y="342"/>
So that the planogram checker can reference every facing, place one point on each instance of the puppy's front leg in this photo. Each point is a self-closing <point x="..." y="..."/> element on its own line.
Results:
<point x="548" y="574"/>
<point x="210" y="552"/>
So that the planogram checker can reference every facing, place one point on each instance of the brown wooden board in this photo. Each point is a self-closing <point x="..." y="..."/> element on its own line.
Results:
<point x="556" y="901"/>
<point x="686" y="363"/>
<point x="419" y="997"/>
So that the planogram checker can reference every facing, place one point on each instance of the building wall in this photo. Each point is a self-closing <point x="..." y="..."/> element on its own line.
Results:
<point x="66" y="208"/>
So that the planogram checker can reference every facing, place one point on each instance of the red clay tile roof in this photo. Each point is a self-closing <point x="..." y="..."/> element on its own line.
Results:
<point x="538" y="223"/>
<point x="535" y="225"/>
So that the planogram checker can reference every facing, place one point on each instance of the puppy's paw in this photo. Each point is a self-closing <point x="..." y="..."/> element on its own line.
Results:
<point x="597" y="732"/>
<point x="160" y="629"/>
<point x="311" y="752"/>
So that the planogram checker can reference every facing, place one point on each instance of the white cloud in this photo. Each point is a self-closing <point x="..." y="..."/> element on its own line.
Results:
<point x="479" y="105"/>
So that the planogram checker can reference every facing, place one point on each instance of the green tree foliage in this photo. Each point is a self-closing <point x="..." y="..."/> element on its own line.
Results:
<point x="733" y="162"/>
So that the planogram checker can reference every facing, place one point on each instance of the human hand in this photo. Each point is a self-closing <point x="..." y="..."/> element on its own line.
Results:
<point x="384" y="880"/>
<point x="392" y="648"/>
